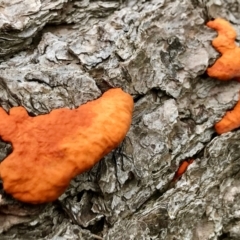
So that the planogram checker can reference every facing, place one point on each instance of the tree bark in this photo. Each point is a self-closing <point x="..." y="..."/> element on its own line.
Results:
<point x="64" y="53"/>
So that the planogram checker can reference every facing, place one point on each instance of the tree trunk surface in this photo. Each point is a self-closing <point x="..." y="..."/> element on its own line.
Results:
<point x="65" y="53"/>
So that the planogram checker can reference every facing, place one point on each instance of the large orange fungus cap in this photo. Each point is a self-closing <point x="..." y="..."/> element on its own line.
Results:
<point x="49" y="150"/>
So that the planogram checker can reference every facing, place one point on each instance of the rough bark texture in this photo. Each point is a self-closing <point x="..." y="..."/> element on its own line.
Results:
<point x="64" y="53"/>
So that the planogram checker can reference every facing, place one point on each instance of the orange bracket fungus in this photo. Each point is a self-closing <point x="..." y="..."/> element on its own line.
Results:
<point x="182" y="169"/>
<point x="227" y="67"/>
<point x="230" y="121"/>
<point x="49" y="150"/>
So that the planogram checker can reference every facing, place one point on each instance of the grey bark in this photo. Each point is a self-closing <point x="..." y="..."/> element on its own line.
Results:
<point x="64" y="53"/>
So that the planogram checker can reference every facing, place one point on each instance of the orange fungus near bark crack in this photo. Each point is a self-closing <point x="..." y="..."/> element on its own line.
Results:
<point x="49" y="150"/>
<point x="226" y="67"/>
<point x="182" y="169"/>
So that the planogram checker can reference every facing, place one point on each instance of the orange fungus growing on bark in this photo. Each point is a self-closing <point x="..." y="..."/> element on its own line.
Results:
<point x="49" y="150"/>
<point x="227" y="67"/>
<point x="230" y="121"/>
<point x="182" y="169"/>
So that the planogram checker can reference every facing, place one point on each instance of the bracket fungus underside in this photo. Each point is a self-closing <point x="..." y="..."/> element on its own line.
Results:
<point x="49" y="150"/>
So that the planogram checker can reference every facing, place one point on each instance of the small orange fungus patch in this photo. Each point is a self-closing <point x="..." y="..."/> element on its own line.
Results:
<point x="230" y="121"/>
<point x="49" y="150"/>
<point x="182" y="169"/>
<point x="227" y="67"/>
